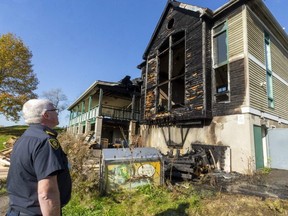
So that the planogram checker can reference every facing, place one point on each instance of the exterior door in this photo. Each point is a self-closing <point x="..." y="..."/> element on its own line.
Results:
<point x="258" y="147"/>
<point x="278" y="148"/>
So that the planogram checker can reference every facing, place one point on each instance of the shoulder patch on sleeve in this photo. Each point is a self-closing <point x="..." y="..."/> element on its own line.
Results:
<point x="54" y="143"/>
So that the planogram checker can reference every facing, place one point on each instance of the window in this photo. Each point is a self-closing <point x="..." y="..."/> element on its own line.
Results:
<point x="220" y="44"/>
<point x="170" y="23"/>
<point x="221" y="77"/>
<point x="220" y="58"/>
<point x="171" y="69"/>
<point x="269" y="78"/>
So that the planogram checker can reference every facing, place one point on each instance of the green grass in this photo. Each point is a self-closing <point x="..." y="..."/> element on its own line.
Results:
<point x="3" y="138"/>
<point x="3" y="187"/>
<point x="147" y="200"/>
<point x="183" y="199"/>
<point x="14" y="131"/>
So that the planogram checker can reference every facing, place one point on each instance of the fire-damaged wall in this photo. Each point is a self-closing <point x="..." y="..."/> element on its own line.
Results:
<point x="221" y="131"/>
<point x="179" y="59"/>
<point x="205" y="81"/>
<point x="177" y="73"/>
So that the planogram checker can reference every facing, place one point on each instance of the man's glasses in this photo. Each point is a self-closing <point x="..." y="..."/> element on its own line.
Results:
<point x="56" y="110"/>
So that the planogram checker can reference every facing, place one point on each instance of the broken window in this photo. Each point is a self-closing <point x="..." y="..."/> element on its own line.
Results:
<point x="171" y="69"/>
<point x="163" y="97"/>
<point x="221" y="68"/>
<point x="221" y="79"/>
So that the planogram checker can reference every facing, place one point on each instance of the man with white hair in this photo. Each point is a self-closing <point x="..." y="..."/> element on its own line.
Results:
<point x="39" y="181"/>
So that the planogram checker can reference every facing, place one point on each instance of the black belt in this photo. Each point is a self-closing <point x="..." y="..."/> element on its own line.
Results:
<point x="18" y="213"/>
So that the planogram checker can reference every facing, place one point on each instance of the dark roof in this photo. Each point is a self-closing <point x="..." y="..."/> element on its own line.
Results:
<point x="202" y="11"/>
<point x="257" y="5"/>
<point x="124" y="87"/>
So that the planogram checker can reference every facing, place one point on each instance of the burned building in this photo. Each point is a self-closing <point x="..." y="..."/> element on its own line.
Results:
<point x="107" y="112"/>
<point x="216" y="78"/>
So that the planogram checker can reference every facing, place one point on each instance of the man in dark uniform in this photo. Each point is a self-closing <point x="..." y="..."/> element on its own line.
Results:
<point x="39" y="181"/>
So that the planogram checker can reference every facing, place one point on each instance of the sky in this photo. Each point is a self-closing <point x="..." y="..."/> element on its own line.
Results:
<point x="76" y="42"/>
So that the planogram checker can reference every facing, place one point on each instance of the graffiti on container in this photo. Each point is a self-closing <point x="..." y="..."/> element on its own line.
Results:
<point x="132" y="175"/>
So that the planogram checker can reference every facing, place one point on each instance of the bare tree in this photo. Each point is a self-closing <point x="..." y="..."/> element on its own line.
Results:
<point x="57" y="97"/>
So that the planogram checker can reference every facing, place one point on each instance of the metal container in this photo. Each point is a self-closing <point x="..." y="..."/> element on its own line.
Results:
<point x="127" y="169"/>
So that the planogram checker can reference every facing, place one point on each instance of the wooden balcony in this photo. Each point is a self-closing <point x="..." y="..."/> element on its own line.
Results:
<point x="106" y="112"/>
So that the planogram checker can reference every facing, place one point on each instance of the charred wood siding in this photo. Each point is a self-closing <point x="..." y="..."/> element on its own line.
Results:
<point x="142" y="99"/>
<point x="209" y="68"/>
<point x="184" y="20"/>
<point x="194" y="76"/>
<point x="151" y="82"/>
<point x="237" y="80"/>
<point x="197" y="85"/>
<point x="237" y="91"/>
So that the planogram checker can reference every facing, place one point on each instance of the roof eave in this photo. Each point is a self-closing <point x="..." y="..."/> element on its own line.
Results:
<point x="88" y="90"/>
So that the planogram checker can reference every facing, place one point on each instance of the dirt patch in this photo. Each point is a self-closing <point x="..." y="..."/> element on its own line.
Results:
<point x="4" y="201"/>
<point x="273" y="184"/>
<point x="227" y="204"/>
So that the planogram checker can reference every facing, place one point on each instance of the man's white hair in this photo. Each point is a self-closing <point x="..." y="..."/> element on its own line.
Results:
<point x="34" y="109"/>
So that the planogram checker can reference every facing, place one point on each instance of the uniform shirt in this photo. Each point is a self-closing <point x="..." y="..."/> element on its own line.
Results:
<point x="36" y="155"/>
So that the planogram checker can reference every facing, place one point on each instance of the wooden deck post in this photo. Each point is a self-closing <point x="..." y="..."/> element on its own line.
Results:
<point x="98" y="128"/>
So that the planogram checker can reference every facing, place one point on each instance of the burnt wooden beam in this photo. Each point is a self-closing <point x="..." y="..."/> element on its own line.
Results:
<point x="133" y="107"/>
<point x="170" y="72"/>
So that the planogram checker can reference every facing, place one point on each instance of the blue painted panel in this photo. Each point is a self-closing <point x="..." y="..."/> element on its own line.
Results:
<point x="278" y="148"/>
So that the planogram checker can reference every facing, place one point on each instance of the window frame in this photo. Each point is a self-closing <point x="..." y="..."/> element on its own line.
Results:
<point x="269" y="73"/>
<point x="162" y="52"/>
<point x="218" y="30"/>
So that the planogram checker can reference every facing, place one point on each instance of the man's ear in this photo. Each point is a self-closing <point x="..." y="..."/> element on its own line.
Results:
<point x="45" y="115"/>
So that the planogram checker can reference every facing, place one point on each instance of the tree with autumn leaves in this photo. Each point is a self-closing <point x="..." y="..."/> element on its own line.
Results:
<point x="17" y="79"/>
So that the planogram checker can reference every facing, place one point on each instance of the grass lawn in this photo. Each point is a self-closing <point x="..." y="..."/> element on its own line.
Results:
<point x="7" y="132"/>
<point x="16" y="131"/>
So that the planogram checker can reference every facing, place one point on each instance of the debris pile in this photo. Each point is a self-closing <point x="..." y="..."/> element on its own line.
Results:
<point x="5" y="153"/>
<point x="200" y="160"/>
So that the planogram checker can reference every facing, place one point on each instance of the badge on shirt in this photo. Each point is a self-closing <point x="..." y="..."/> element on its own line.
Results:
<point x="54" y="143"/>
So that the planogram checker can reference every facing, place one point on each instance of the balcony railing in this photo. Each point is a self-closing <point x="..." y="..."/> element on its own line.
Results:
<point x="107" y="112"/>
<point x="121" y="114"/>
